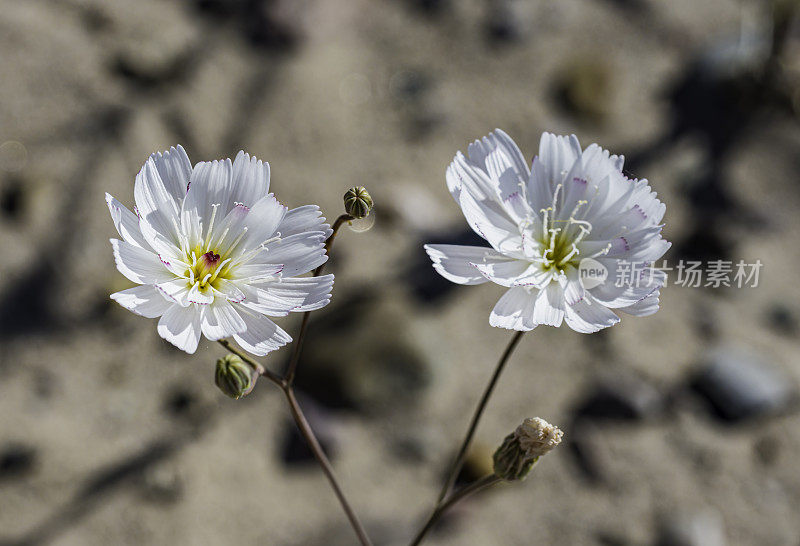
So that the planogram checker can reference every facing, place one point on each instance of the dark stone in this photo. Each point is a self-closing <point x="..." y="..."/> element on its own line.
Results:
<point x="12" y="199"/>
<point x="738" y="385"/>
<point x="783" y="319"/>
<point x="16" y="460"/>
<point x="620" y="396"/>
<point x="582" y="443"/>
<point x="504" y="24"/>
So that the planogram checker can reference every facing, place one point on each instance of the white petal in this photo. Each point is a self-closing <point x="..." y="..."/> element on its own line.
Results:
<point x="126" y="222"/>
<point x="644" y="307"/>
<point x="144" y="300"/>
<point x="167" y="251"/>
<point x="305" y="218"/>
<point x="200" y="297"/>
<point x="250" y="180"/>
<point x="174" y="169"/>
<point x="589" y="315"/>
<point x="221" y="320"/>
<point x="506" y="273"/>
<point x="175" y="290"/>
<point x="557" y="155"/>
<point x="262" y="335"/>
<point x="181" y="327"/>
<point x="549" y="307"/>
<point x="298" y="254"/>
<point x="209" y="188"/>
<point x="572" y="287"/>
<point x="155" y="203"/>
<point x="514" y="310"/>
<point x="279" y="298"/>
<point x="454" y="262"/>
<point x="139" y="265"/>
<point x="262" y="222"/>
<point x="495" y="227"/>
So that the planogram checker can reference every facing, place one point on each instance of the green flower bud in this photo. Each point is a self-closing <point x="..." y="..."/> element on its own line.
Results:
<point x="521" y="449"/>
<point x="358" y="202"/>
<point x="235" y="377"/>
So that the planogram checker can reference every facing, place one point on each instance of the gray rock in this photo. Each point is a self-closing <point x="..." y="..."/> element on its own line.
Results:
<point x="703" y="528"/>
<point x="621" y="396"/>
<point x="740" y="385"/>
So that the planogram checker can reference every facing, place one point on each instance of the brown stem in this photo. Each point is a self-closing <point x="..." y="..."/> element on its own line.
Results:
<point x="313" y="444"/>
<point x="474" y="487"/>
<point x="308" y="434"/>
<point x="462" y="452"/>
<point x="292" y="368"/>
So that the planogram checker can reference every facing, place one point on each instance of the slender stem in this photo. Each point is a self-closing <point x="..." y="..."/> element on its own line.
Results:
<point x="292" y="368"/>
<point x="275" y="378"/>
<point x="311" y="440"/>
<point x="474" y="487"/>
<point x="286" y="385"/>
<point x="308" y="435"/>
<point x="462" y="452"/>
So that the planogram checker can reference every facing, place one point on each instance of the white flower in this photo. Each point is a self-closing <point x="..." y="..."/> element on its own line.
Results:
<point x="572" y="204"/>
<point x="214" y="253"/>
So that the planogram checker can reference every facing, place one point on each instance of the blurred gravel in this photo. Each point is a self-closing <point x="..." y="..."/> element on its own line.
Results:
<point x="108" y="435"/>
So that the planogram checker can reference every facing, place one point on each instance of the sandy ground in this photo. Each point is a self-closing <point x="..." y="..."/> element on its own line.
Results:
<point x="108" y="435"/>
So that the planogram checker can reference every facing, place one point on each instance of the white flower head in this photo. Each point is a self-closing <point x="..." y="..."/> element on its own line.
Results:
<point x="542" y="222"/>
<point x="213" y="252"/>
<point x="537" y="437"/>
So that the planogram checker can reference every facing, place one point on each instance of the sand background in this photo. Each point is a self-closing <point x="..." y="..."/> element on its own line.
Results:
<point x="109" y="436"/>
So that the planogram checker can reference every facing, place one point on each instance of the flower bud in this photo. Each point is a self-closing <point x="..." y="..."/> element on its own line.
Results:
<point x="235" y="377"/>
<point x="358" y="202"/>
<point x="522" y="448"/>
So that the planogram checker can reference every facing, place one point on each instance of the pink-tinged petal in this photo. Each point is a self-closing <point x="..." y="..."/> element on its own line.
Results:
<point x="126" y="222"/>
<point x="549" y="307"/>
<point x="144" y="300"/>
<point x="181" y="327"/>
<point x="174" y="169"/>
<point x="139" y="265"/>
<point x="175" y="290"/>
<point x="514" y="310"/>
<point x="250" y="180"/>
<point x="229" y="290"/>
<point x="589" y="315"/>
<point x="262" y="335"/>
<point x="455" y="262"/>
<point x="279" y="298"/>
<point x="305" y="218"/>
<point x="221" y="320"/>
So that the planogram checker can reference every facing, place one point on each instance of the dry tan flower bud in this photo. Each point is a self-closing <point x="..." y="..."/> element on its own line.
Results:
<point x="537" y="436"/>
<point x="522" y="448"/>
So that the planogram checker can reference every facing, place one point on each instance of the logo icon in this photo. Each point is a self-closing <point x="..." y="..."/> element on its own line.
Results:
<point x="591" y="273"/>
